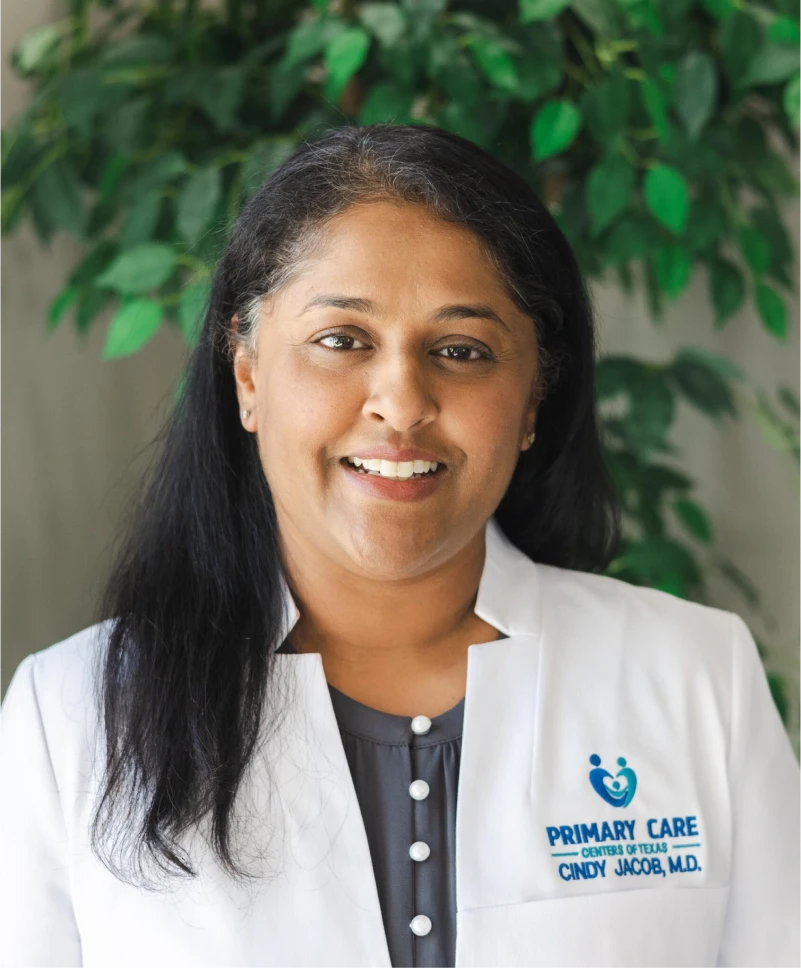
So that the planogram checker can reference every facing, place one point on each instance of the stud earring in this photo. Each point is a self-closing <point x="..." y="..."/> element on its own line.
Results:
<point x="245" y="414"/>
<point x="531" y="436"/>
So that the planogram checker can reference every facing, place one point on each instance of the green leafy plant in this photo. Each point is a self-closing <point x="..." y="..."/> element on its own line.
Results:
<point x="656" y="131"/>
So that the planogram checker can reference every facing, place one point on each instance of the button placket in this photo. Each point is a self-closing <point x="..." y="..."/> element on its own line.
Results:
<point x="419" y="851"/>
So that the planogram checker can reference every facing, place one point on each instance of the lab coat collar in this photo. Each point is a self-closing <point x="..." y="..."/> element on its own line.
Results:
<point x="508" y="593"/>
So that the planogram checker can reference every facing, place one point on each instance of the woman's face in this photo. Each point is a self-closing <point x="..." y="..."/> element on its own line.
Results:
<point x="396" y="334"/>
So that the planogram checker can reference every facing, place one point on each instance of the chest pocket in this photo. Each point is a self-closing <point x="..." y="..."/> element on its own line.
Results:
<point x="634" y="822"/>
<point x="632" y="927"/>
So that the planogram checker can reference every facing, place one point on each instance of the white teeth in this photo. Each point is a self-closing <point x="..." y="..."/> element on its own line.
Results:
<point x="399" y="470"/>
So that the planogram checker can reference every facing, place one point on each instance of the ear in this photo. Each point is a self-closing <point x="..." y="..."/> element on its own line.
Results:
<point x="530" y="420"/>
<point x="244" y="376"/>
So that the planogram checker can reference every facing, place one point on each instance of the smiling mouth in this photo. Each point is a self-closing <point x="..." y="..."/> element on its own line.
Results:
<point x="440" y="468"/>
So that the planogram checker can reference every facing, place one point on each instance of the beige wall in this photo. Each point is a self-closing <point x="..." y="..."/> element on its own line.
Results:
<point x="74" y="428"/>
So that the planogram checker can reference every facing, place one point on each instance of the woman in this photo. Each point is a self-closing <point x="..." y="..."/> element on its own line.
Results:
<point x="363" y="578"/>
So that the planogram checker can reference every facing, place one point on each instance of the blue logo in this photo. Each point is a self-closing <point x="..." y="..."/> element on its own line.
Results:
<point x="618" y="790"/>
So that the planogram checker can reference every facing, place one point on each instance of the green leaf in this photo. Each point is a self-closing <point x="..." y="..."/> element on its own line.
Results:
<point x="737" y="45"/>
<point x="726" y="289"/>
<point x="32" y="51"/>
<point x="385" y="21"/>
<point x="140" y="269"/>
<point x="651" y="411"/>
<point x="706" y="225"/>
<point x="385" y="103"/>
<point x="537" y="76"/>
<point x="755" y="248"/>
<point x="531" y="10"/>
<point x="58" y="192"/>
<point x="82" y="94"/>
<point x="778" y="691"/>
<point x="554" y="128"/>
<point x="632" y="237"/>
<point x="422" y="15"/>
<point x="656" y="106"/>
<point x="264" y="158"/>
<point x="740" y="581"/>
<point x="494" y="62"/>
<point x="135" y="323"/>
<point x="667" y="197"/>
<point x="792" y="102"/>
<point x="344" y="55"/>
<point x="712" y="361"/>
<point x="783" y="30"/>
<point x="455" y="117"/>
<point x="220" y="93"/>
<point x="197" y="203"/>
<point x="156" y="174"/>
<point x="694" y="519"/>
<point x="672" y="264"/>
<point x="285" y="83"/>
<point x="90" y="302"/>
<point x="140" y="222"/>
<point x="661" y="561"/>
<point x="193" y="302"/>
<point x="60" y="305"/>
<point x="703" y="386"/>
<point x="768" y="222"/>
<point x="601" y="16"/>
<point x="615" y="375"/>
<point x="772" y="311"/>
<point x="772" y="63"/>
<point x="21" y="149"/>
<point x="609" y="189"/>
<point x="790" y="401"/>
<point x="643" y="15"/>
<point x="135" y="50"/>
<point x="720" y="9"/>
<point x="695" y="91"/>
<point x="310" y="38"/>
<point x="606" y="107"/>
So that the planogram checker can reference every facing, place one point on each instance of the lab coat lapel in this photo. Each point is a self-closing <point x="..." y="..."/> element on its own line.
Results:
<point x="331" y="853"/>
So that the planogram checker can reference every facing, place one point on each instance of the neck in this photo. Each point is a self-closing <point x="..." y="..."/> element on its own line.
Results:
<point x="358" y="621"/>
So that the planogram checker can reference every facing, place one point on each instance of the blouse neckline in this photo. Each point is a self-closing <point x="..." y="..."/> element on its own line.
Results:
<point x="389" y="729"/>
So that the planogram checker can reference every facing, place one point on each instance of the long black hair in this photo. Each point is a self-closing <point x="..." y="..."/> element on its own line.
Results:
<point x="194" y="599"/>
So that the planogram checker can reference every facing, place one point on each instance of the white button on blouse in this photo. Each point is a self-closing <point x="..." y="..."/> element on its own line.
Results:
<point x="420" y="924"/>
<point x="419" y="789"/>
<point x="419" y="850"/>
<point x="421" y="725"/>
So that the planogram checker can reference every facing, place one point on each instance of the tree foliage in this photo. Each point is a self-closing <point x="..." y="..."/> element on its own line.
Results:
<point x="656" y="130"/>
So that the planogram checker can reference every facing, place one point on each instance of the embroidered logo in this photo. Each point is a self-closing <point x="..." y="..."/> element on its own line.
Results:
<point x="617" y="790"/>
<point x="633" y="847"/>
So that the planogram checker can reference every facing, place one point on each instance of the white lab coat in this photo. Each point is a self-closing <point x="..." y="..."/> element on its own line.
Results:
<point x="592" y="667"/>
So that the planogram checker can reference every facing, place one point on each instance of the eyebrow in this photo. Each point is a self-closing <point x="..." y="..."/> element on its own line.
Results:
<point x="443" y="314"/>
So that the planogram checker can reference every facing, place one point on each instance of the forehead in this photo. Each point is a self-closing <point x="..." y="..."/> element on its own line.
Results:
<point x="399" y="249"/>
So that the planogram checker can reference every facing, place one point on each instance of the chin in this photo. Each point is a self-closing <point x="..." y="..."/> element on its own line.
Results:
<point x="391" y="546"/>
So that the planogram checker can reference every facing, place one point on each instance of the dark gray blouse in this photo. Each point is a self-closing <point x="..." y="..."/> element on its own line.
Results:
<point x="385" y="756"/>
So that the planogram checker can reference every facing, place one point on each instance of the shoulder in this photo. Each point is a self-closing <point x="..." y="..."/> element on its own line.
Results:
<point x="52" y="691"/>
<point x="655" y="625"/>
<point x="63" y="668"/>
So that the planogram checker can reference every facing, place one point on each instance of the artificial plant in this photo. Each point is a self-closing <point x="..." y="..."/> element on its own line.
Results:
<point x="657" y="131"/>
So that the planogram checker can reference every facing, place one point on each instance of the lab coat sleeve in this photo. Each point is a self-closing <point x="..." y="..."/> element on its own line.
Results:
<point x="762" y="919"/>
<point x="39" y="927"/>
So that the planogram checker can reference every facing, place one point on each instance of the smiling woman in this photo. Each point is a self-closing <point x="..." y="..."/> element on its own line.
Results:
<point x="359" y="606"/>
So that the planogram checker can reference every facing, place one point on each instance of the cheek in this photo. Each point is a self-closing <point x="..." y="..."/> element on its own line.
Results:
<point x="304" y="410"/>
<point x="487" y="425"/>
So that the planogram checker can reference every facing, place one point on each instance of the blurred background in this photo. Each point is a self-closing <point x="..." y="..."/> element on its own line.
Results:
<point x="663" y="135"/>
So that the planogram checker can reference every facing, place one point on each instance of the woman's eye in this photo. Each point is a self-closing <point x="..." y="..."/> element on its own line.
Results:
<point x="461" y="353"/>
<point x="340" y="337"/>
<point x="465" y="352"/>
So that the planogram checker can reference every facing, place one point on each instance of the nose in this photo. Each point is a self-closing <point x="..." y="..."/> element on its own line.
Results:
<point x="399" y="394"/>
